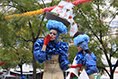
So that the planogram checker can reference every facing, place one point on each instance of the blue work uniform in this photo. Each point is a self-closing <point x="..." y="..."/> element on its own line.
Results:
<point x="53" y="48"/>
<point x="87" y="60"/>
<point x="90" y="63"/>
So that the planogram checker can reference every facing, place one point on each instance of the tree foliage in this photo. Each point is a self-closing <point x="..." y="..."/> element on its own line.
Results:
<point x="18" y="34"/>
<point x="91" y="18"/>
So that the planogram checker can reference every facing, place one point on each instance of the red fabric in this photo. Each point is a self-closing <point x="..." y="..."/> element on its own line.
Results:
<point x="72" y="75"/>
<point x="48" y="9"/>
<point x="68" y="0"/>
<point x="2" y="63"/>
<point x="76" y="2"/>
<point x="75" y="66"/>
<point x="47" y="39"/>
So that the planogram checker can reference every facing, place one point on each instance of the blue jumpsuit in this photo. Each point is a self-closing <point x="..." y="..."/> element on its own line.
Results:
<point x="90" y="63"/>
<point x="53" y="48"/>
<point x="88" y="60"/>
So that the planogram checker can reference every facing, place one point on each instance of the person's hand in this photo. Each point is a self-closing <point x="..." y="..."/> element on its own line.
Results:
<point x="47" y="40"/>
<point x="69" y="65"/>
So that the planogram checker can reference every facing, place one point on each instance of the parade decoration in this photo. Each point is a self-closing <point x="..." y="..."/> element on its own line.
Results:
<point x="30" y="13"/>
<point x="64" y="10"/>
<point x="76" y="2"/>
<point x="75" y="70"/>
<point x="40" y="11"/>
<point x="83" y="75"/>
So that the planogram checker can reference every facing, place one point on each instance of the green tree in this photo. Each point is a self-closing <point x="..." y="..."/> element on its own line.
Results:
<point x="24" y="31"/>
<point x="19" y="33"/>
<point x="90" y="17"/>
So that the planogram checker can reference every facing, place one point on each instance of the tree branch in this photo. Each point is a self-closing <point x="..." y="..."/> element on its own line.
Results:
<point x="40" y="26"/>
<point x="24" y="39"/>
<point x="116" y="65"/>
<point x="32" y="32"/>
<point x="104" y="69"/>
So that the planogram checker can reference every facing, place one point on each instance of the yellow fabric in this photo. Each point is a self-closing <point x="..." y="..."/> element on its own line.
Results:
<point x="31" y="13"/>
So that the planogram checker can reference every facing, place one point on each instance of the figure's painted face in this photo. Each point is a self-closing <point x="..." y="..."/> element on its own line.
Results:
<point x="53" y="34"/>
<point x="79" y="48"/>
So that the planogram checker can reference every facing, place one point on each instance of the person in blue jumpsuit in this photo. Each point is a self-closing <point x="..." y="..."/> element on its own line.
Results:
<point x="47" y="50"/>
<point x="84" y="55"/>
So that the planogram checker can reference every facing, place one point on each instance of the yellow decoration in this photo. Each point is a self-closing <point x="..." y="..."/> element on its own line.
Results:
<point x="31" y="13"/>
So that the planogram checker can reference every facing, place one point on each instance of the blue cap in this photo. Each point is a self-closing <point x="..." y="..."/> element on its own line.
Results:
<point x="81" y="38"/>
<point x="57" y="25"/>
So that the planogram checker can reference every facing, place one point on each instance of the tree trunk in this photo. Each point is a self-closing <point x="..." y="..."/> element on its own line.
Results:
<point x="34" y="66"/>
<point x="111" y="76"/>
<point x="21" y="70"/>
